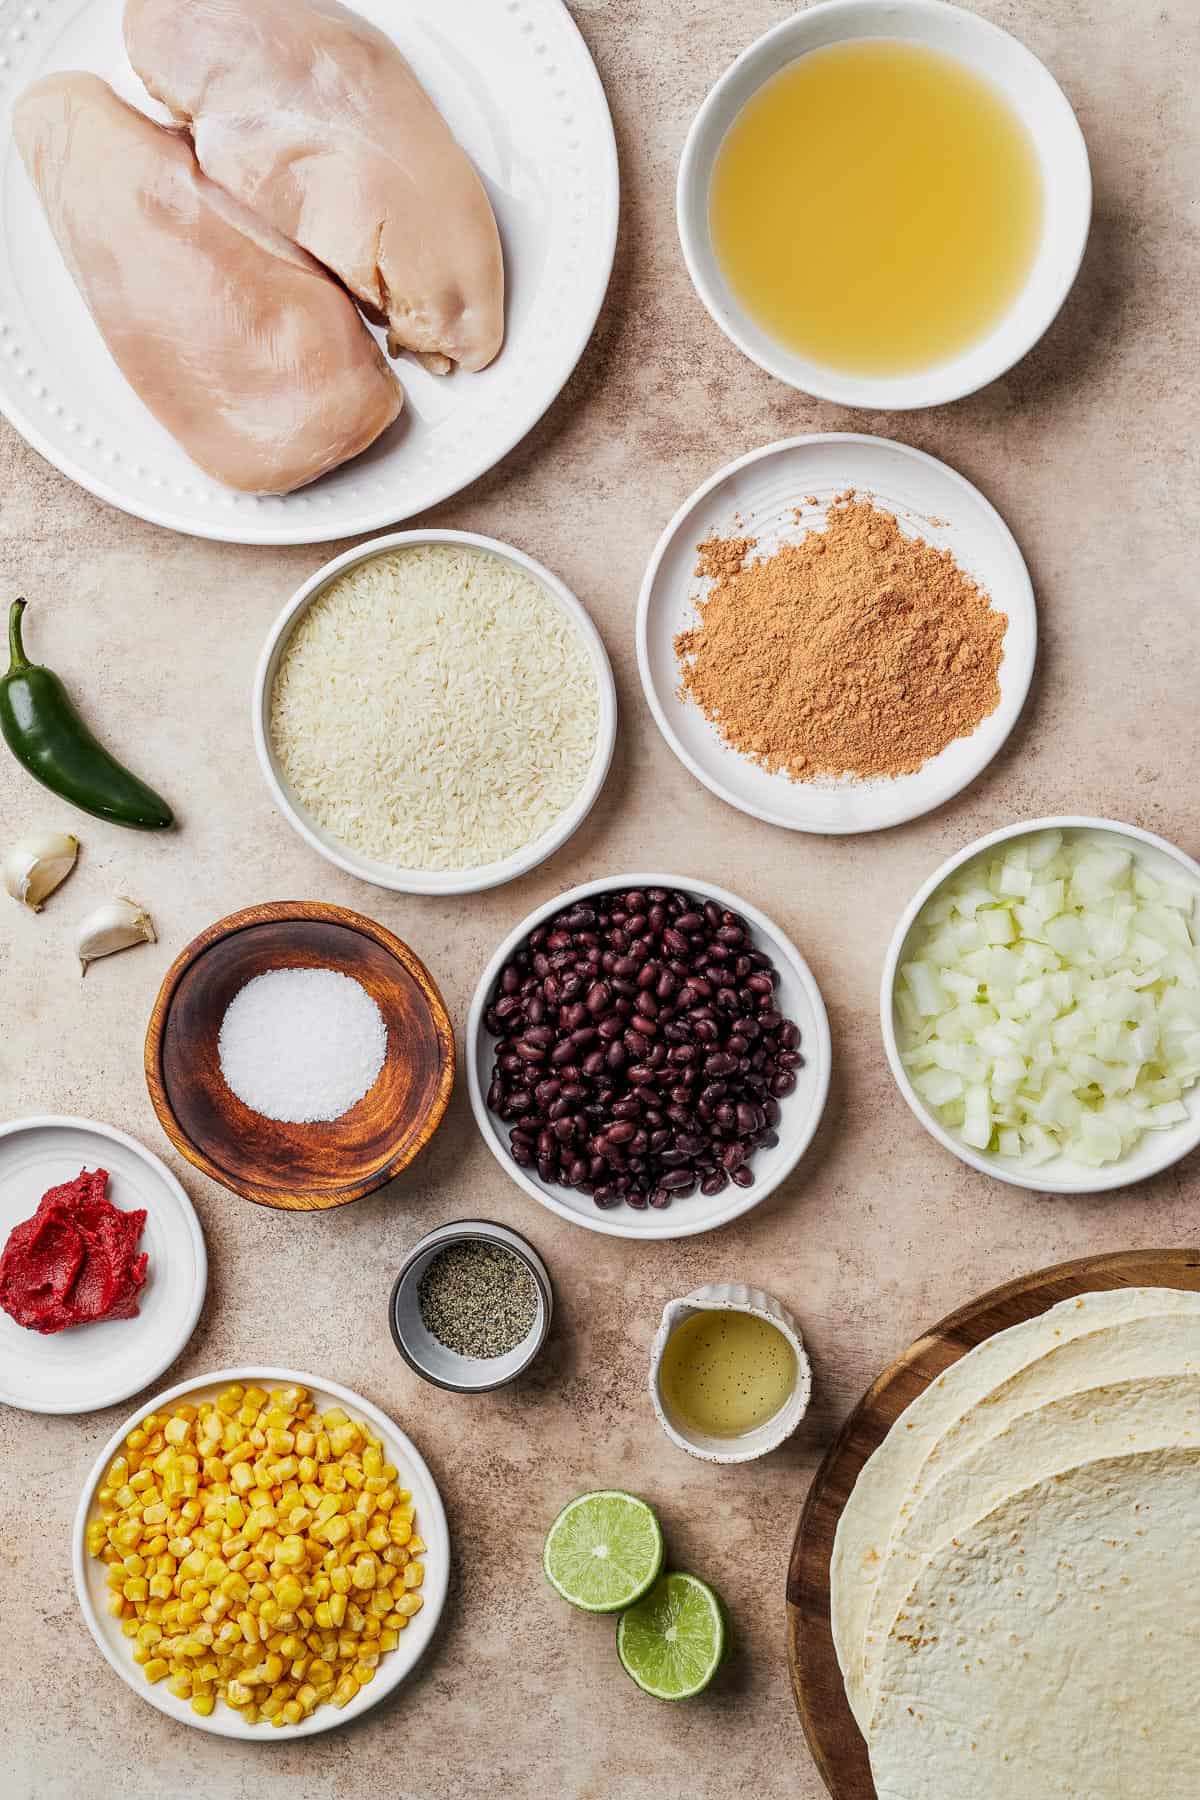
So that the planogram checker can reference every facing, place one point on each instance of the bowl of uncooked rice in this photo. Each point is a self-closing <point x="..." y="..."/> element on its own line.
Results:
<point x="434" y="712"/>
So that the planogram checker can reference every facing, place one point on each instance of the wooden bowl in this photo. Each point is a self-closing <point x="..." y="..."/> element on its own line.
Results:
<point x="298" y="1167"/>
<point x="833" y="1737"/>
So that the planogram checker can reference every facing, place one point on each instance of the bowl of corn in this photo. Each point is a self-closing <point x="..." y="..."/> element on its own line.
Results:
<point x="261" y="1554"/>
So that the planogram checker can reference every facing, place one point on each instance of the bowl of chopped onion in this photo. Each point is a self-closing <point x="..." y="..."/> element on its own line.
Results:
<point x="1040" y="1004"/>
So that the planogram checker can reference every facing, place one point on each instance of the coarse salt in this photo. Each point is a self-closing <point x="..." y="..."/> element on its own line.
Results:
<point x="302" y="1045"/>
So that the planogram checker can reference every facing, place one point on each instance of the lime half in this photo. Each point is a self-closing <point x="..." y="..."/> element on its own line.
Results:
<point x="673" y="1642"/>
<point x="604" y="1551"/>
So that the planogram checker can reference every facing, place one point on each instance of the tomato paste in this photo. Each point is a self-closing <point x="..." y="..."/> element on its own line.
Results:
<point x="75" y="1262"/>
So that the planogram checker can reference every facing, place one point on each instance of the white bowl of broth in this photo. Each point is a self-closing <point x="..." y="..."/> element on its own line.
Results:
<point x="729" y="1377"/>
<point x="885" y="202"/>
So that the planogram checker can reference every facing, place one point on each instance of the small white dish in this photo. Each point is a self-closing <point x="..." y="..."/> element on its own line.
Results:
<point x="226" y="1721"/>
<point x="1156" y="1150"/>
<point x="425" y="1354"/>
<point x="87" y="1367"/>
<point x="757" y="496"/>
<point x="1033" y="94"/>
<point x="429" y="881"/>
<point x="732" y="1296"/>
<point x="799" y="998"/>
<point x="520" y="91"/>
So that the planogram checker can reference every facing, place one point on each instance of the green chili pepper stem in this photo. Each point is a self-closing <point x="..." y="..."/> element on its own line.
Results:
<point x="16" y="648"/>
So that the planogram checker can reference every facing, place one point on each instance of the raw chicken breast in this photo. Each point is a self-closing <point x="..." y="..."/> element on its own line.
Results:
<point x="312" y="117"/>
<point x="238" y="343"/>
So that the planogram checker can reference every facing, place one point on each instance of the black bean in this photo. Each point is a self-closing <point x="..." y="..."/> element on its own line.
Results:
<point x="646" y="1026"/>
<point x="744" y="1177"/>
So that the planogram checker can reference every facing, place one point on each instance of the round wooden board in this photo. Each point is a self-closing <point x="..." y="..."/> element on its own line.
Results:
<point x="833" y="1737"/>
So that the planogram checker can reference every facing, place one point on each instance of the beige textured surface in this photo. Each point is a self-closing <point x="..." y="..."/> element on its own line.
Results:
<point x="1089" y="450"/>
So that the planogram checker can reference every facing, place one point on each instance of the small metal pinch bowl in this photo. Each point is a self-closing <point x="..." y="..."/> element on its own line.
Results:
<point x="425" y="1354"/>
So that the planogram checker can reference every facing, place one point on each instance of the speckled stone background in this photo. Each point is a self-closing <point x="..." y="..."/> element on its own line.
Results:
<point x="1089" y="449"/>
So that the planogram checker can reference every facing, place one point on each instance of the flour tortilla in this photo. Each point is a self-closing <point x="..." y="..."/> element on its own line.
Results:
<point x="1052" y="1653"/>
<point x="870" y="1513"/>
<point x="1159" y="1413"/>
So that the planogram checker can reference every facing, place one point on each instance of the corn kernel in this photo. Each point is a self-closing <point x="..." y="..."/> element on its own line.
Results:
<point x="254" y="1553"/>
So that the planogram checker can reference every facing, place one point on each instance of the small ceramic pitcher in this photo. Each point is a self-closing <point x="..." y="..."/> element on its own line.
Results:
<point x="732" y="1296"/>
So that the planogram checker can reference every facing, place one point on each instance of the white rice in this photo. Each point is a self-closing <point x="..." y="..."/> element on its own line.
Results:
<point x="435" y="708"/>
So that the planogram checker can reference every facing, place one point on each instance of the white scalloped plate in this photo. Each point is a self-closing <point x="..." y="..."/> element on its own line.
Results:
<point x="758" y="497"/>
<point x="516" y="82"/>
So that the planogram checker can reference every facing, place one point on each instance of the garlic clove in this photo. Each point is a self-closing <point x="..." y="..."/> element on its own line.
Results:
<point x="117" y="925"/>
<point x="38" y="864"/>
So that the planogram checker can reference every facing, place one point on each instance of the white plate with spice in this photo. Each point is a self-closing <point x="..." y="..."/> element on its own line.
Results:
<point x="519" y="89"/>
<point x="86" y="1367"/>
<point x="225" y="1721"/>
<point x="774" y="496"/>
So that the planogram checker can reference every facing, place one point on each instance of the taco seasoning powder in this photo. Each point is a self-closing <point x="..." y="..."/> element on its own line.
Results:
<point x="857" y="651"/>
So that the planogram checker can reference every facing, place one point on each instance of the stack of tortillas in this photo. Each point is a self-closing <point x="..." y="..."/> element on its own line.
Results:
<point x="1016" y="1575"/>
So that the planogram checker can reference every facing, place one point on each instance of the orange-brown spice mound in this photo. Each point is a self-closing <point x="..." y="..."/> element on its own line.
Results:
<point x="856" y="651"/>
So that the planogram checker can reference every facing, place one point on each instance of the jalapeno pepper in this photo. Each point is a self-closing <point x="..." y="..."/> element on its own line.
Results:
<point x="44" y="731"/>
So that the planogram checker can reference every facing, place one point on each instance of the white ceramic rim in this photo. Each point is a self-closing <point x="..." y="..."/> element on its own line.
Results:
<point x="443" y="881"/>
<point x="673" y="1222"/>
<point x="1021" y="677"/>
<point x="932" y="387"/>
<point x="187" y="1319"/>
<point x="225" y="1721"/>
<point x="790" y="1415"/>
<point x="371" y="518"/>
<point x="1039" y="1180"/>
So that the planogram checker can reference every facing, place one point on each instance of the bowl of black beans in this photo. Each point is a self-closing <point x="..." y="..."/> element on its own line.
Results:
<point x="648" y="1056"/>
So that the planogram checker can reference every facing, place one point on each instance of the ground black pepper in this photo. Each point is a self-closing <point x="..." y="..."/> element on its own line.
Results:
<point x="478" y="1299"/>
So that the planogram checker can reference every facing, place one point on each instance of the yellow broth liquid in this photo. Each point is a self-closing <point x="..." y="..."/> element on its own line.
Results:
<point x="876" y="207"/>
<point x="724" y="1373"/>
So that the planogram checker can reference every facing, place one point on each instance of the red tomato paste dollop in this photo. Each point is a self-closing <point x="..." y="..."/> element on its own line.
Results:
<point x="75" y="1262"/>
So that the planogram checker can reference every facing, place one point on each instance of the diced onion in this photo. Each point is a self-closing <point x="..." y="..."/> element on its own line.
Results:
<point x="1050" y="1002"/>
